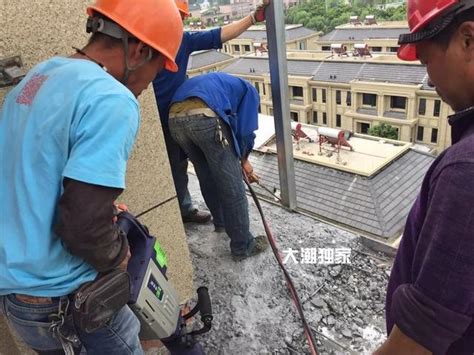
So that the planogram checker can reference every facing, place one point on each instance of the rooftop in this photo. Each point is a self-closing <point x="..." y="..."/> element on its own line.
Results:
<point x="208" y="57"/>
<point x="362" y="33"/>
<point x="369" y="156"/>
<point x="338" y="70"/>
<point x="380" y="24"/>
<point x="375" y="205"/>
<point x="293" y="32"/>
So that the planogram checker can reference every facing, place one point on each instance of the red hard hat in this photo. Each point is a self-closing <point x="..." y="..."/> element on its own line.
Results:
<point x="183" y="7"/>
<point x="427" y="18"/>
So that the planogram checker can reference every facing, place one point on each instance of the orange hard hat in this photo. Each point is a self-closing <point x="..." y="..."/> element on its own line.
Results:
<point x="426" y="19"/>
<point x="156" y="23"/>
<point x="183" y="7"/>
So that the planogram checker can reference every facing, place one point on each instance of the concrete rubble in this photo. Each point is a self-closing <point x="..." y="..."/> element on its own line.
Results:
<point x="344" y="304"/>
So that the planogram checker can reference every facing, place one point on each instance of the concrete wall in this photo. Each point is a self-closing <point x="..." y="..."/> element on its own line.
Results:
<point x="37" y="30"/>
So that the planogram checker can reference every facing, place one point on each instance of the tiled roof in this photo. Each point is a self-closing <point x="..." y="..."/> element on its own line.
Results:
<point x="363" y="33"/>
<point x="377" y="206"/>
<point x="340" y="72"/>
<point x="292" y="34"/>
<point x="204" y="58"/>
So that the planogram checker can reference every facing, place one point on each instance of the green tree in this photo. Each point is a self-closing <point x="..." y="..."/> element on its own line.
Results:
<point x="384" y="130"/>
<point x="325" y="15"/>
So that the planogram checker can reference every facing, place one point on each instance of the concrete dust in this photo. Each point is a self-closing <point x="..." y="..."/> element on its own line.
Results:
<point x="253" y="312"/>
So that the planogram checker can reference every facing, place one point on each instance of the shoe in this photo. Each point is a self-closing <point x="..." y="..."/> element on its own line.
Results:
<point x="261" y="244"/>
<point x="219" y="229"/>
<point x="197" y="216"/>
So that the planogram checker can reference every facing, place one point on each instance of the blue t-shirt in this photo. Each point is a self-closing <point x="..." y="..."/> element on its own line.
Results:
<point x="235" y="100"/>
<point x="166" y="83"/>
<point x="66" y="118"/>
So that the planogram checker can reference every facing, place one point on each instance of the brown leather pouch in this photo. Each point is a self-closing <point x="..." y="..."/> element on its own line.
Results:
<point x="96" y="302"/>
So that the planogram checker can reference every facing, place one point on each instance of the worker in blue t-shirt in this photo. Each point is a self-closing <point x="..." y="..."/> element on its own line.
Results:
<point x="166" y="83"/>
<point x="66" y="132"/>
<point x="213" y="118"/>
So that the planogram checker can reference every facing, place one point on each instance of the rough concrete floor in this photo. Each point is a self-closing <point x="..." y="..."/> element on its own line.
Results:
<point x="253" y="314"/>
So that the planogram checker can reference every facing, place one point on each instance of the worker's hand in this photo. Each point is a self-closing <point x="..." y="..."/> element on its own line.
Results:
<point x="249" y="173"/>
<point x="121" y="207"/>
<point x="123" y="265"/>
<point x="259" y="14"/>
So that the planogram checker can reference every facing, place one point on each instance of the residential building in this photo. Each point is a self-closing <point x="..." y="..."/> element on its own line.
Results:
<point x="381" y="37"/>
<point x="356" y="94"/>
<point x="254" y="39"/>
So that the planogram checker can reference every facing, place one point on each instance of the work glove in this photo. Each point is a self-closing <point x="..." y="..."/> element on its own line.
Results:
<point x="259" y="14"/>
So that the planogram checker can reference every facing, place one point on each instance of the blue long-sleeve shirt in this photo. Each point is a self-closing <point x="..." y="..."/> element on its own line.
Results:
<point x="166" y="82"/>
<point x="235" y="101"/>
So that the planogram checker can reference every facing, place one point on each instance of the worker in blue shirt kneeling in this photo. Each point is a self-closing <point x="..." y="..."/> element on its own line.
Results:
<point x="213" y="118"/>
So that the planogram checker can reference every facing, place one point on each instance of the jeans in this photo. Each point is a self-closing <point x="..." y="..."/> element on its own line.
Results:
<point x="179" y="171"/>
<point x="220" y="175"/>
<point x="30" y="322"/>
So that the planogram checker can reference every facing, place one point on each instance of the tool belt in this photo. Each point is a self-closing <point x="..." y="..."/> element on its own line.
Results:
<point x="191" y="107"/>
<point x="96" y="302"/>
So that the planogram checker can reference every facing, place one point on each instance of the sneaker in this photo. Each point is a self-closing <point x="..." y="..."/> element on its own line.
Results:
<point x="197" y="216"/>
<point x="261" y="244"/>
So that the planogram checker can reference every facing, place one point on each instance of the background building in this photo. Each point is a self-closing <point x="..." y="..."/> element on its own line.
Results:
<point x="355" y="94"/>
<point x="381" y="37"/>
<point x="254" y="39"/>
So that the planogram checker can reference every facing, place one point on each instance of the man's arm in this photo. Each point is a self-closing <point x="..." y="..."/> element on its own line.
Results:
<point x="235" y="29"/>
<point x="85" y="225"/>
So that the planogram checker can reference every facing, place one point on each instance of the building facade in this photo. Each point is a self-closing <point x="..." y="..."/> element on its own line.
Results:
<point x="356" y="96"/>
<point x="254" y="40"/>
<point x="379" y="37"/>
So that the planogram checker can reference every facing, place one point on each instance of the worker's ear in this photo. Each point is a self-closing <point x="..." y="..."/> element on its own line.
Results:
<point x="139" y="53"/>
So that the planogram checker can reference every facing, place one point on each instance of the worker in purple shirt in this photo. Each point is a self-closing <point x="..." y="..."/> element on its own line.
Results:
<point x="166" y="84"/>
<point x="430" y="296"/>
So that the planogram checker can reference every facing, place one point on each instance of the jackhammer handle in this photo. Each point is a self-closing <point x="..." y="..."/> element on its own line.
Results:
<point x="205" y="306"/>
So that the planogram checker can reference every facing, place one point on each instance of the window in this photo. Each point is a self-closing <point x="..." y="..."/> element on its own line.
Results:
<point x="326" y="48"/>
<point x="422" y="107"/>
<point x="338" y="97"/>
<point x="297" y="91"/>
<point x="338" y="121"/>
<point x="324" y="96"/>
<point x="349" y="98"/>
<point x="259" y="108"/>
<point x="437" y="108"/>
<point x="294" y="116"/>
<point x="257" y="87"/>
<point x="264" y="87"/>
<point x="369" y="100"/>
<point x="376" y="49"/>
<point x="302" y="45"/>
<point x="315" y="95"/>
<point x="246" y="48"/>
<point x="420" y="133"/>
<point x="434" y="135"/>
<point x="393" y="49"/>
<point x="315" y="117"/>
<point x="236" y="48"/>
<point x="226" y="49"/>
<point x="398" y="102"/>
<point x="363" y="127"/>
<point x="325" y="118"/>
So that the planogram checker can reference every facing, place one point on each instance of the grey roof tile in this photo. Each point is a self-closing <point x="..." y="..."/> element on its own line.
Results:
<point x="336" y="71"/>
<point x="204" y="58"/>
<point x="363" y="33"/>
<point x="291" y="34"/>
<point x="377" y="205"/>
